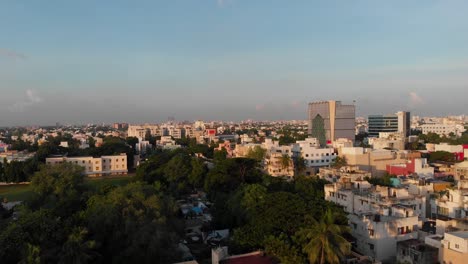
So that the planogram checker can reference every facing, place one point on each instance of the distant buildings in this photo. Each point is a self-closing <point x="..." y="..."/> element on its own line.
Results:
<point x="443" y="129"/>
<point x="105" y="165"/>
<point x="330" y="120"/>
<point x="120" y="126"/>
<point x="399" y="122"/>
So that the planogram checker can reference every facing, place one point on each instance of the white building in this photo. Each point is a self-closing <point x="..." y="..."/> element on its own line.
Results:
<point x="454" y="204"/>
<point x="105" y="165"/>
<point x="386" y="141"/>
<point x="443" y="129"/>
<point x="454" y="248"/>
<point x="143" y="146"/>
<point x="314" y="156"/>
<point x="379" y="217"/>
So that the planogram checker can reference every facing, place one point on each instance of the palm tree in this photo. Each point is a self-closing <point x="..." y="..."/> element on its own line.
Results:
<point x="299" y="165"/>
<point x="323" y="241"/>
<point x="285" y="161"/>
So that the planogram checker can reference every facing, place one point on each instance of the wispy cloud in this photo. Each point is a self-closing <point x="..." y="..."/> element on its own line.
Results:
<point x="12" y="54"/>
<point x="31" y="99"/>
<point x="259" y="107"/>
<point x="223" y="3"/>
<point x="415" y="99"/>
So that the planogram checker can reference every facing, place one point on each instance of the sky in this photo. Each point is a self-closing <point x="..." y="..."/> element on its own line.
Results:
<point x="139" y="61"/>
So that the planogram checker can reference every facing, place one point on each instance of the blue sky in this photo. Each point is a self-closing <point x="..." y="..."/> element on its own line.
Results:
<point x="141" y="61"/>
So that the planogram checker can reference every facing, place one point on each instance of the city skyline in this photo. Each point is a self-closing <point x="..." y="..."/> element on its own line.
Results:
<point x="93" y="62"/>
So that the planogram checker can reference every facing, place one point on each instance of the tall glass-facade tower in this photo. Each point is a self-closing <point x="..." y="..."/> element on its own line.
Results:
<point x="338" y="120"/>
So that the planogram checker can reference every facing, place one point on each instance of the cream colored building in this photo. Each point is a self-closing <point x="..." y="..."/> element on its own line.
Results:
<point x="379" y="217"/>
<point x="461" y="170"/>
<point x="275" y="167"/>
<point x="454" y="248"/>
<point x="139" y="131"/>
<point x="375" y="161"/>
<point x="105" y="165"/>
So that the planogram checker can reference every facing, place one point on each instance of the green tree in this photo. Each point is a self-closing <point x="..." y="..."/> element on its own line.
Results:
<point x="285" y="161"/>
<point x="299" y="165"/>
<point x="283" y="250"/>
<point x="198" y="173"/>
<point x="318" y="130"/>
<point x="60" y="180"/>
<point x="177" y="172"/>
<point x="31" y="255"/>
<point x="77" y="249"/>
<point x="257" y="153"/>
<point x="441" y="156"/>
<point x="133" y="224"/>
<point x="339" y="162"/>
<point x="324" y="241"/>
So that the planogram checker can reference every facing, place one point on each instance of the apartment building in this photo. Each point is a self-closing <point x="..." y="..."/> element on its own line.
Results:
<point x="443" y="129"/>
<point x="376" y="161"/>
<point x="278" y="164"/>
<point x="314" y="156"/>
<point x="139" y="131"/>
<point x="379" y="217"/>
<point x="104" y="165"/>
<point x="453" y="204"/>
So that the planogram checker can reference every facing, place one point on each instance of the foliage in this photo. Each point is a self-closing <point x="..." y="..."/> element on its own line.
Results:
<point x="68" y="222"/>
<point x="257" y="153"/>
<point x="441" y="156"/>
<point x="339" y="162"/>
<point x="318" y="130"/>
<point x="323" y="240"/>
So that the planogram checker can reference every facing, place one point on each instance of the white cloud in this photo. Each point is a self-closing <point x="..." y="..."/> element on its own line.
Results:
<point x="31" y="99"/>
<point x="415" y="99"/>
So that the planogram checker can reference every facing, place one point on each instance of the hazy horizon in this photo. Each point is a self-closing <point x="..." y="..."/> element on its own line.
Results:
<point x="123" y="61"/>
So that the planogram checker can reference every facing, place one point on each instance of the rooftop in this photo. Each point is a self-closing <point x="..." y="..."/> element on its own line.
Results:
<point x="460" y="234"/>
<point x="253" y="258"/>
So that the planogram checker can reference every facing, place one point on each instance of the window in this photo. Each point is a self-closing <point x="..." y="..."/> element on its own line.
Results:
<point x="97" y="168"/>
<point x="83" y="162"/>
<point x="457" y="246"/>
<point x="371" y="232"/>
<point x="371" y="246"/>
<point x="307" y="155"/>
<point x="96" y="162"/>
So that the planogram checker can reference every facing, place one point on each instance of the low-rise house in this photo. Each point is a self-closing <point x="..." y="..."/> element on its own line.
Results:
<point x="454" y="248"/>
<point x="453" y="204"/>
<point x="416" y="252"/>
<point x="353" y="173"/>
